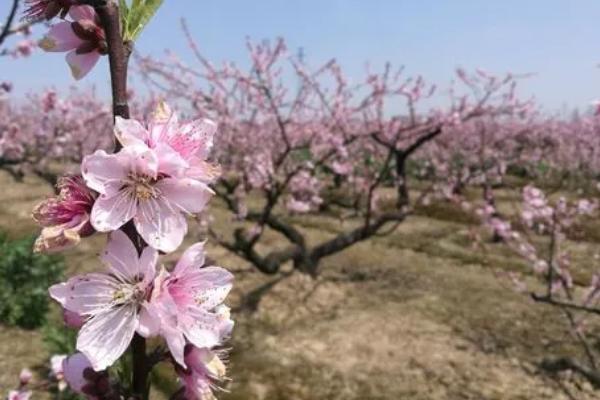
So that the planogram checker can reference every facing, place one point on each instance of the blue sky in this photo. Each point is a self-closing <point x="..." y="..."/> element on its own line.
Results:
<point x="559" y="40"/>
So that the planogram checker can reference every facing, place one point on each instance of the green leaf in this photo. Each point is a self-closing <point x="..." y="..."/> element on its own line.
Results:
<point x="140" y="13"/>
<point x="124" y="11"/>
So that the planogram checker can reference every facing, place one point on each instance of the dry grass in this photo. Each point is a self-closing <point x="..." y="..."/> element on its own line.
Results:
<point x="418" y="314"/>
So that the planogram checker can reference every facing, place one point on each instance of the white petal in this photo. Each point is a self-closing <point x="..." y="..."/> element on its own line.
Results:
<point x="104" y="338"/>
<point x="187" y="194"/>
<point x="160" y="225"/>
<point x="202" y="329"/>
<point x="193" y="257"/>
<point x="169" y="161"/>
<point x="210" y="286"/>
<point x="176" y="343"/>
<point x="143" y="161"/>
<point x="89" y="294"/>
<point x="110" y="212"/>
<point x="104" y="172"/>
<point x="81" y="64"/>
<point x="149" y="322"/>
<point x="122" y="256"/>
<point x="130" y="132"/>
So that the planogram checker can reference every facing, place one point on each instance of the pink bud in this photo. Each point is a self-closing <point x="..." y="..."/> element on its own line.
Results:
<point x="25" y="376"/>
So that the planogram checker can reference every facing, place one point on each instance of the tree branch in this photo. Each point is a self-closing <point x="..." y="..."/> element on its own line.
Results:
<point x="9" y="21"/>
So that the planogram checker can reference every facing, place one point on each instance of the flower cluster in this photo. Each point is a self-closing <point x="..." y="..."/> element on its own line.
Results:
<point x="56" y="380"/>
<point x="22" y="392"/>
<point x="541" y="217"/>
<point x="159" y="175"/>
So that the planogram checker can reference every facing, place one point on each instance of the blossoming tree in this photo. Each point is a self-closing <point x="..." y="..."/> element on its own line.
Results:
<point x="139" y="195"/>
<point x="326" y="145"/>
<point x="539" y="236"/>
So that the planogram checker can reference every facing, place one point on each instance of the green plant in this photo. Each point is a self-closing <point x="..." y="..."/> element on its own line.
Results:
<point x="24" y="281"/>
<point x="58" y="338"/>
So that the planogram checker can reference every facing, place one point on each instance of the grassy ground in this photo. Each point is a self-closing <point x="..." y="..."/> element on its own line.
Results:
<point x="416" y="315"/>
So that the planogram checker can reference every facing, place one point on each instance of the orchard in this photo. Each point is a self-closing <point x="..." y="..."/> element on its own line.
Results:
<point x="278" y="228"/>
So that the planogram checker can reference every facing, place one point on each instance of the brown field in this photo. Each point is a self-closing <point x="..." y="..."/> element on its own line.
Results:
<point x="416" y="315"/>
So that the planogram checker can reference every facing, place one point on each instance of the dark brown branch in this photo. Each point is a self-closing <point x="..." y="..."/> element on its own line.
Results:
<point x="565" y="364"/>
<point x="564" y="304"/>
<point x="421" y="140"/>
<point x="278" y="225"/>
<point x="347" y="239"/>
<point x="6" y="29"/>
<point x="118" y="56"/>
<point x="269" y="264"/>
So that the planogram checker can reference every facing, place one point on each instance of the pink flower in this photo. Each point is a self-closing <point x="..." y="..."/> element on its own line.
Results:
<point x="24" y="48"/>
<point x="56" y="370"/>
<point x="193" y="140"/>
<point x="112" y="302"/>
<point x="82" y="379"/>
<point x="204" y="370"/>
<point x="19" y="395"/>
<point x="46" y="9"/>
<point x="84" y="39"/>
<point x="25" y="376"/>
<point x="132" y="184"/>
<point x="49" y="101"/>
<point x="188" y="303"/>
<point x="74" y="367"/>
<point x="65" y="218"/>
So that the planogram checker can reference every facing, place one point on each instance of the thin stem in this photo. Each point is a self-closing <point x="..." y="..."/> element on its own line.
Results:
<point x="139" y="381"/>
<point x="118" y="56"/>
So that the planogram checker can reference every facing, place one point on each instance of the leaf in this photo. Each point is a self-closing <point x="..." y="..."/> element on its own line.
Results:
<point x="140" y="13"/>
<point x="124" y="11"/>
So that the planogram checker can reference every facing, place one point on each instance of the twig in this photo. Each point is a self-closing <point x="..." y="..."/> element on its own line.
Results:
<point x="6" y="29"/>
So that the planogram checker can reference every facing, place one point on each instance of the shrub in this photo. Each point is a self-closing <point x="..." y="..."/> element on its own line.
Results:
<point x="58" y="338"/>
<point x="24" y="281"/>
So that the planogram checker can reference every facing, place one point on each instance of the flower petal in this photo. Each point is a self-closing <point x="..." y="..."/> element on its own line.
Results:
<point x="161" y="226"/>
<point x="110" y="212"/>
<point x="148" y="261"/>
<point x="61" y="237"/>
<point x="81" y="64"/>
<point x="170" y="162"/>
<point x="176" y="343"/>
<point x="73" y="370"/>
<point x="202" y="170"/>
<point x="130" y="132"/>
<point x="87" y="294"/>
<point x="202" y="329"/>
<point x="60" y="38"/>
<point x="105" y="172"/>
<point x="192" y="257"/>
<point x="188" y="195"/>
<point x="201" y="134"/>
<point x="122" y="256"/>
<point x="149" y="322"/>
<point x="104" y="338"/>
<point x="82" y="12"/>
<point x="217" y="283"/>
<point x="143" y="161"/>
